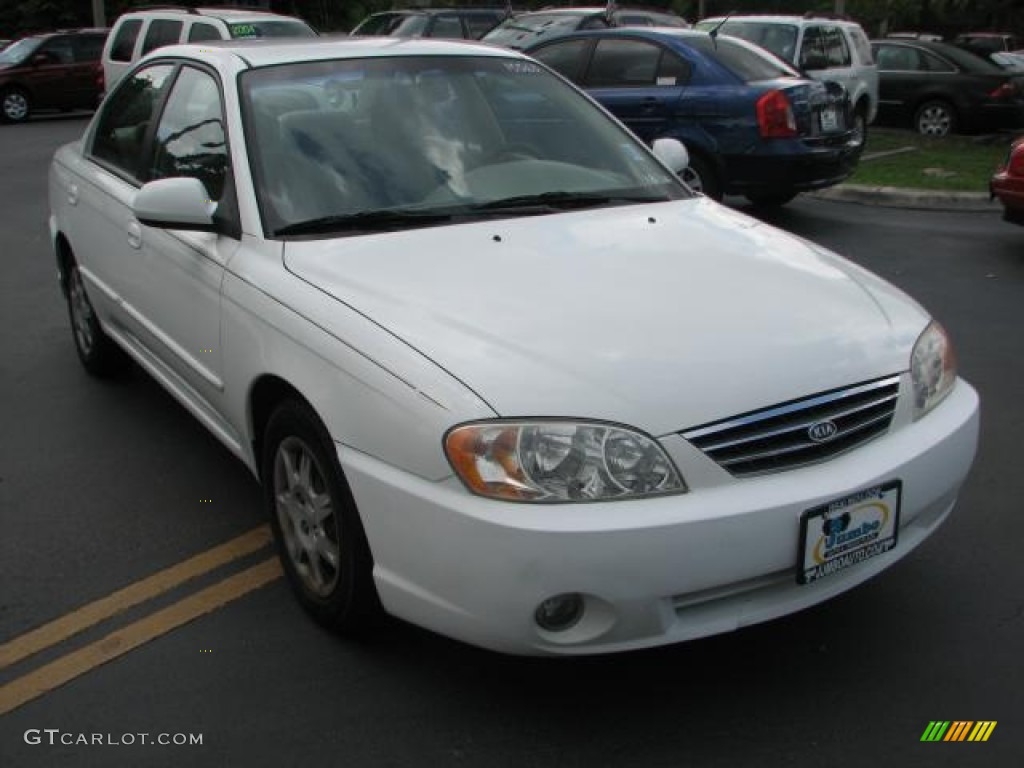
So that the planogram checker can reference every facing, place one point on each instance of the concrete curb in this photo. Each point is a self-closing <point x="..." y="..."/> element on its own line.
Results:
<point x="895" y="197"/>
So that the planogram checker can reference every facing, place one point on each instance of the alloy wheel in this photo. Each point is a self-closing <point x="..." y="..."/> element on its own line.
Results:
<point x="15" y="106"/>
<point x="307" y="517"/>
<point x="82" y="316"/>
<point x="934" y="120"/>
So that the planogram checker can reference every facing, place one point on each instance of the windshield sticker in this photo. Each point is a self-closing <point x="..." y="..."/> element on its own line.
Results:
<point x="522" y="67"/>
<point x="244" y="30"/>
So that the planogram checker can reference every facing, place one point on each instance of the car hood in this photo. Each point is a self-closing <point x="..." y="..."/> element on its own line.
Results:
<point x="661" y="316"/>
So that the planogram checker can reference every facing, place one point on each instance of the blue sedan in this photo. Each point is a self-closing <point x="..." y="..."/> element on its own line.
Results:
<point x="752" y="124"/>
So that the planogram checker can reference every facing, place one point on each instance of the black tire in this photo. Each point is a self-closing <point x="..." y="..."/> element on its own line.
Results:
<point x="315" y="522"/>
<point x="770" y="199"/>
<point x="700" y="175"/>
<point x="860" y="126"/>
<point x="935" y="118"/>
<point x="97" y="351"/>
<point x="15" y="106"/>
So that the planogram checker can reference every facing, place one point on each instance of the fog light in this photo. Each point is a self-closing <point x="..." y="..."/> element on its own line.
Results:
<point x="559" y="613"/>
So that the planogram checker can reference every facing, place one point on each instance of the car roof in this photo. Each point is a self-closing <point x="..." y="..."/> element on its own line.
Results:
<point x="778" y="18"/>
<point x="225" y="14"/>
<point x="265" y="52"/>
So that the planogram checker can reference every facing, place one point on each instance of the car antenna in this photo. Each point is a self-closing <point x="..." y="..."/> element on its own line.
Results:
<point x="609" y="11"/>
<point x="713" y="32"/>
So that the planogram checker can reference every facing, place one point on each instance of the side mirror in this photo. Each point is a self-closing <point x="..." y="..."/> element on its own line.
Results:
<point x="177" y="203"/>
<point x="43" y="59"/>
<point x="672" y="153"/>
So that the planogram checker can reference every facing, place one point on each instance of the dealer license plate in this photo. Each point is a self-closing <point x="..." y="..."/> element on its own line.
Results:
<point x="829" y="119"/>
<point x="848" y="531"/>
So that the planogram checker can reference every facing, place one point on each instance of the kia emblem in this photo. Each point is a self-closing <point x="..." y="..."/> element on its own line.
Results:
<point x="822" y="431"/>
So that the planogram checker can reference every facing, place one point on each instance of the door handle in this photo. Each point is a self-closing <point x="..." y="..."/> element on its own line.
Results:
<point x="135" y="235"/>
<point x="73" y="194"/>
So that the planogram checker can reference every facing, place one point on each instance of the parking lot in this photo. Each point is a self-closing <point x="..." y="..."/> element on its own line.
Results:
<point x="104" y="485"/>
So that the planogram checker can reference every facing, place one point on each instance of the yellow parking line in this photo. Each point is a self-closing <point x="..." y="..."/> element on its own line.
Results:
<point x="88" y="615"/>
<point x="66" y="668"/>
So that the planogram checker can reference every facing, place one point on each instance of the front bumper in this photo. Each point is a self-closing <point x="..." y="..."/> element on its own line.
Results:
<point x="653" y="571"/>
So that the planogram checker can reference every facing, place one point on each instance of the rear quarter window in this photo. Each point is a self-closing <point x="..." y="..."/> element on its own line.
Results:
<point x="124" y="40"/>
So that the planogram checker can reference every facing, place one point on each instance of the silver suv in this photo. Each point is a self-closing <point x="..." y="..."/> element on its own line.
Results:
<point x="830" y="49"/>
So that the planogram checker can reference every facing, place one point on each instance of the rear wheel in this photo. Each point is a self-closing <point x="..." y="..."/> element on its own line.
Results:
<point x="701" y="176"/>
<point x="860" y="126"/>
<point x="319" y="535"/>
<point x="770" y="199"/>
<point x="935" y="118"/>
<point x="14" y="105"/>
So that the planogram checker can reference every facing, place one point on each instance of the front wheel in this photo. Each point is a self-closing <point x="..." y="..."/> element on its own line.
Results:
<point x="319" y="536"/>
<point x="701" y="176"/>
<point x="14" y="105"/>
<point x="98" y="353"/>
<point x="860" y="127"/>
<point x="935" y="118"/>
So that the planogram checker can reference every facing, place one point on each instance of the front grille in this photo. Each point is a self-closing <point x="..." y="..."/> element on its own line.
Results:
<point x="779" y="438"/>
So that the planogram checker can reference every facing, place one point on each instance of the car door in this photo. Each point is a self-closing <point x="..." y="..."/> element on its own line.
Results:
<point x="902" y="77"/>
<point x="164" y="284"/>
<point x="85" y="74"/>
<point x="52" y="66"/>
<point x="174" y="276"/>
<point x="638" y="81"/>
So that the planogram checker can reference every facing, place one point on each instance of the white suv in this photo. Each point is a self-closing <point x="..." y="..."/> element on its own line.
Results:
<point x="830" y="49"/>
<point x="137" y="33"/>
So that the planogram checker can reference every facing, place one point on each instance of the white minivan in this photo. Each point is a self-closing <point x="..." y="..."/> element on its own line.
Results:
<point x="137" y="33"/>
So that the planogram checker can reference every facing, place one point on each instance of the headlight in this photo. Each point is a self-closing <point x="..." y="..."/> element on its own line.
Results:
<point x="559" y="461"/>
<point x="932" y="369"/>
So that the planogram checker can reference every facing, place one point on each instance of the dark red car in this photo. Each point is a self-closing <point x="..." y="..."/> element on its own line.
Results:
<point x="58" y="70"/>
<point x="1008" y="184"/>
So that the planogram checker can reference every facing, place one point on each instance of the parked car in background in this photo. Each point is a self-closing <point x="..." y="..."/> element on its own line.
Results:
<point x="528" y="29"/>
<point x="449" y="23"/>
<point x="60" y="70"/>
<point x="834" y="50"/>
<point x="499" y="372"/>
<point x="1011" y="62"/>
<point x="136" y="33"/>
<point x="751" y="123"/>
<point x="1008" y="184"/>
<point x="938" y="89"/>
<point x="931" y="36"/>
<point x="984" y="43"/>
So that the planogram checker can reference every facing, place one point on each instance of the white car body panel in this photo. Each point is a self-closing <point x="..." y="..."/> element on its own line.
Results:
<point x="394" y="338"/>
<point x="552" y="303"/>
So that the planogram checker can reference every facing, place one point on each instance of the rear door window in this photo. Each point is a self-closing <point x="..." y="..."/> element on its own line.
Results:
<point x="836" y="51"/>
<point x="565" y="58"/>
<point x="623" y="63"/>
<point x="88" y="48"/>
<point x="161" y="32"/>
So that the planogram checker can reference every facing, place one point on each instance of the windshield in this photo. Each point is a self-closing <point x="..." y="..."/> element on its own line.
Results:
<point x="397" y="142"/>
<point x="524" y="31"/>
<point x="780" y="39"/>
<point x="396" y="24"/>
<point x="275" y="28"/>
<point x="17" y="52"/>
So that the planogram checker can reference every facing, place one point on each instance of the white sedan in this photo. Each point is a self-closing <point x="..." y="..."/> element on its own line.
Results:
<point x="498" y="371"/>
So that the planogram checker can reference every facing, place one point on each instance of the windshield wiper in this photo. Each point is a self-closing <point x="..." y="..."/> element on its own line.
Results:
<point x="366" y="221"/>
<point x="549" y="202"/>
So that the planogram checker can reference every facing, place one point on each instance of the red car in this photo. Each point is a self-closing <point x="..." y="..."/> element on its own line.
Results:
<point x="58" y="70"/>
<point x="1008" y="184"/>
